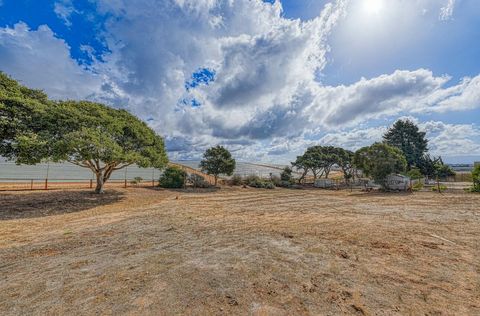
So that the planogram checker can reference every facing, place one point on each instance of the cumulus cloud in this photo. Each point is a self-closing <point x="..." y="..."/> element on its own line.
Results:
<point x="444" y="139"/>
<point x="41" y="60"/>
<point x="264" y="95"/>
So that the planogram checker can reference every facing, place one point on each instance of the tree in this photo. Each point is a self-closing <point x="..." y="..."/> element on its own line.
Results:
<point x="476" y="178"/>
<point x="173" y="178"/>
<point x="301" y="164"/>
<point x="443" y="171"/>
<point x="216" y="161"/>
<point x="379" y="161"/>
<point x="24" y="122"/>
<point x="286" y="175"/>
<point x="415" y="174"/>
<point x="406" y="136"/>
<point x="89" y="135"/>
<point x="344" y="159"/>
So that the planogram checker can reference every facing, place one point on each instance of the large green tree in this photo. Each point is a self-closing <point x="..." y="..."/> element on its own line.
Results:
<point x="344" y="160"/>
<point x="216" y="161"/>
<point x="406" y="136"/>
<point x="379" y="161"/>
<point x="89" y="135"/>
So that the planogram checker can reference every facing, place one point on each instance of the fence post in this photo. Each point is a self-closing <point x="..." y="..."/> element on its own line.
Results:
<point x="31" y="184"/>
<point x="153" y="183"/>
<point x="125" y="183"/>
<point x="91" y="183"/>
<point x="46" y="184"/>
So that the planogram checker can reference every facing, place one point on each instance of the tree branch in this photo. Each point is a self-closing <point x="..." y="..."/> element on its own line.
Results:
<point x="121" y="167"/>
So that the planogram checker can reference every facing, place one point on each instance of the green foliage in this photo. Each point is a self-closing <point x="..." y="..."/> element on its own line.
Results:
<point x="320" y="160"/>
<point x="257" y="182"/>
<point x="136" y="180"/>
<point x="415" y="174"/>
<point x="476" y="178"/>
<point x="198" y="181"/>
<point x="216" y="161"/>
<point x="405" y="135"/>
<point x="443" y="171"/>
<point x="442" y="188"/>
<point x="173" y="178"/>
<point x="90" y="135"/>
<point x="276" y="180"/>
<point x="417" y="186"/>
<point x="286" y="175"/>
<point x="236" y="180"/>
<point x="380" y="160"/>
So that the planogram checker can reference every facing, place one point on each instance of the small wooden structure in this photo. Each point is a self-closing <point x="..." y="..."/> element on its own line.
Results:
<point x="324" y="183"/>
<point x="397" y="182"/>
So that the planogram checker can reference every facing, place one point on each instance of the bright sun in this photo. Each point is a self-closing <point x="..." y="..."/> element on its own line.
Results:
<point x="373" y="6"/>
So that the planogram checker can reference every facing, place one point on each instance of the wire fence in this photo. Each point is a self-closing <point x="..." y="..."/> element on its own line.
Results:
<point x="16" y="184"/>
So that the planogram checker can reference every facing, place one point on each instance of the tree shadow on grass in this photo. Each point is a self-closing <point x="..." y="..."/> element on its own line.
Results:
<point x="32" y="205"/>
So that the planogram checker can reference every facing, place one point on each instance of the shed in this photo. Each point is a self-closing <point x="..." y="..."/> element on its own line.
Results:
<point x="323" y="183"/>
<point x="397" y="182"/>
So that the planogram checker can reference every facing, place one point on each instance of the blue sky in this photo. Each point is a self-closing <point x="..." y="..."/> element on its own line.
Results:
<point x="264" y="78"/>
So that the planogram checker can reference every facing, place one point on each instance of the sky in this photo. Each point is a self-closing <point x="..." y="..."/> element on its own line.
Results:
<point x="266" y="79"/>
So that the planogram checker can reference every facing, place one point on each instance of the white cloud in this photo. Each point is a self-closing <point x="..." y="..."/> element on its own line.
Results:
<point x="446" y="12"/>
<point x="41" y="60"/>
<point x="64" y="9"/>
<point x="266" y="95"/>
<point x="445" y="139"/>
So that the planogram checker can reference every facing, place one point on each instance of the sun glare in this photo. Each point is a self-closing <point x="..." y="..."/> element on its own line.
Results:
<point x="373" y="6"/>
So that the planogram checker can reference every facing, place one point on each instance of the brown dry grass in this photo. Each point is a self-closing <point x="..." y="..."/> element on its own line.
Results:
<point x="239" y="251"/>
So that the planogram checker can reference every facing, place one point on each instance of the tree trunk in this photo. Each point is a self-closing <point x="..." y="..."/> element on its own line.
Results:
<point x="216" y="178"/>
<point x="100" y="183"/>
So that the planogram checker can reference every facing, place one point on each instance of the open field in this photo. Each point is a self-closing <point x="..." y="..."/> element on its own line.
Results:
<point x="239" y="251"/>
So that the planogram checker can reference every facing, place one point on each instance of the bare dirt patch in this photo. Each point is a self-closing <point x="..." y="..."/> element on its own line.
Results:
<point x="240" y="251"/>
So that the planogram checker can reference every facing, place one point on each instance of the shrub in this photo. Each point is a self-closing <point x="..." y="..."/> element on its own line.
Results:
<point x="415" y="174"/>
<point x="136" y="180"/>
<point x="198" y="181"/>
<point x="286" y="175"/>
<point x="173" y="178"/>
<point x="256" y="182"/>
<point x="417" y="186"/>
<point x="276" y="180"/>
<point x="236" y="180"/>
<point x="476" y="179"/>
<point x="442" y="188"/>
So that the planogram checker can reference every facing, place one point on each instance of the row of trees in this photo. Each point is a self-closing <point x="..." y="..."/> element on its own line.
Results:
<point x="90" y="135"/>
<point x="404" y="149"/>
<point x="319" y="160"/>
<point x="94" y="136"/>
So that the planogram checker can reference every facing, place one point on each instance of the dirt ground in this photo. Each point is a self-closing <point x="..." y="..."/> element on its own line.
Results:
<point x="239" y="251"/>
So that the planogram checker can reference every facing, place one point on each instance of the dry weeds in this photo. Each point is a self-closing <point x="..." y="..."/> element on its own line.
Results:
<point x="239" y="251"/>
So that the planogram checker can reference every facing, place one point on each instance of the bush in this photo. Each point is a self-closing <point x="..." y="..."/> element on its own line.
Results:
<point x="442" y="188"/>
<point x="286" y="175"/>
<point x="236" y="180"/>
<point x="417" y="186"/>
<point x="276" y="180"/>
<point x="198" y="181"/>
<point x="476" y="179"/>
<point x="136" y="180"/>
<point x="256" y="182"/>
<point x="415" y="174"/>
<point x="173" y="178"/>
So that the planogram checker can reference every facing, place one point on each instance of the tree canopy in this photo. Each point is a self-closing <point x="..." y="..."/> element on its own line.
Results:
<point x="216" y="161"/>
<point x="320" y="160"/>
<point x="406" y="136"/>
<point x="87" y="134"/>
<point x="379" y="161"/>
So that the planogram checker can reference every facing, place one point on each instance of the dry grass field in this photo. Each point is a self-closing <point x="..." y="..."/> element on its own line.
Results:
<point x="239" y="251"/>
